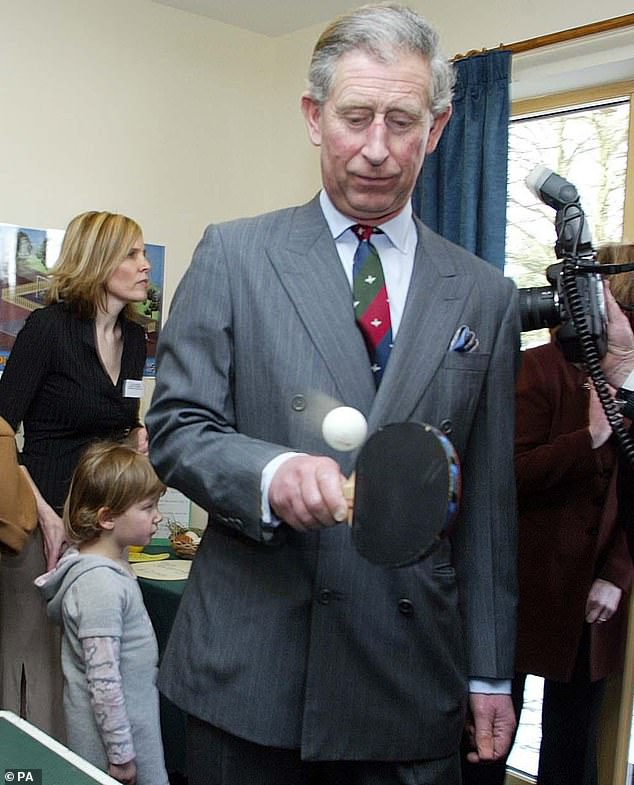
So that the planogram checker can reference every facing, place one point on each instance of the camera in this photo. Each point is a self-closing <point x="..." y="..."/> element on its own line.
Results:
<point x="574" y="300"/>
<point x="549" y="306"/>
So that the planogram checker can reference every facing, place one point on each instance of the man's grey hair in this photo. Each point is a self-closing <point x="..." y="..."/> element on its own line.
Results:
<point x="385" y="31"/>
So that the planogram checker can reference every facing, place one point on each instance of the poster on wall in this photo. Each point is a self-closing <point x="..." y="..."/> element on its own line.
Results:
<point x="26" y="257"/>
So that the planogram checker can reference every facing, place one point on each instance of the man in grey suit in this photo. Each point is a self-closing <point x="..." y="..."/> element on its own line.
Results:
<point x="296" y="660"/>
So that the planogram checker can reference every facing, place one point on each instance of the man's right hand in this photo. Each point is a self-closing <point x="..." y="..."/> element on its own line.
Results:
<point x="306" y="493"/>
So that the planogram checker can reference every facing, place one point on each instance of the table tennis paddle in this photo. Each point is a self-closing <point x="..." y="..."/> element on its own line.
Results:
<point x="404" y="494"/>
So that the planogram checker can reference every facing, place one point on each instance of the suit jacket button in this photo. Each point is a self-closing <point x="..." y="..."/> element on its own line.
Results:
<point x="325" y="595"/>
<point x="405" y="606"/>
<point x="446" y="427"/>
<point x="298" y="403"/>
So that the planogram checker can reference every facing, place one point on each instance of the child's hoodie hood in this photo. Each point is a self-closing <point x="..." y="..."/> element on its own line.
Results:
<point x="54" y="584"/>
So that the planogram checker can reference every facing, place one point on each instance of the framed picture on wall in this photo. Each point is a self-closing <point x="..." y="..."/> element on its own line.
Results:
<point x="26" y="257"/>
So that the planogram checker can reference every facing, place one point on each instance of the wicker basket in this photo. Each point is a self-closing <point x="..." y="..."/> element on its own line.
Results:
<point x="186" y="550"/>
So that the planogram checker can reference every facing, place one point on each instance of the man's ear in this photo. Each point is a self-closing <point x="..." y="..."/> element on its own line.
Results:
<point x="105" y="518"/>
<point x="312" y="116"/>
<point x="435" y="132"/>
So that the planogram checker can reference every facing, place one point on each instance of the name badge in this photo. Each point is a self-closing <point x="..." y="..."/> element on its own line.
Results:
<point x="133" y="388"/>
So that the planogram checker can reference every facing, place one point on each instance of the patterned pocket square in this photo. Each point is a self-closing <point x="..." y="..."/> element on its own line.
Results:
<point x="464" y="340"/>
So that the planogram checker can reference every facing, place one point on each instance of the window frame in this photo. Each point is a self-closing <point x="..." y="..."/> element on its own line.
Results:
<point x="549" y="103"/>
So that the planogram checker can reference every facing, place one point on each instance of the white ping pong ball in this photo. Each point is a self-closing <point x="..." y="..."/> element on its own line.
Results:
<point x="344" y="428"/>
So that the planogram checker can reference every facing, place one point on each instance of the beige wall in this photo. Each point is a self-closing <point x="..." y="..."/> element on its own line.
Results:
<point x="133" y="107"/>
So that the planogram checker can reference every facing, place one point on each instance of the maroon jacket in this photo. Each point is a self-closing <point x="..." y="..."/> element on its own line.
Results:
<point x="568" y="529"/>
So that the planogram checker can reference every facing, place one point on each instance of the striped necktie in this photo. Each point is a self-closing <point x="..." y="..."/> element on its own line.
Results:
<point x="371" y="305"/>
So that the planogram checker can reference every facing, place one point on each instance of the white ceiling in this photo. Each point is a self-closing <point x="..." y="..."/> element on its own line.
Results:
<point x="269" y="17"/>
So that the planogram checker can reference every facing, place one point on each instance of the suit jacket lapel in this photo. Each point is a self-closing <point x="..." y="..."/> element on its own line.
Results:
<point x="312" y="274"/>
<point x="434" y="303"/>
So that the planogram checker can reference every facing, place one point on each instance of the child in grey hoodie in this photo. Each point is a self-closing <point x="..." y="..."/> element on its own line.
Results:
<point x="109" y="650"/>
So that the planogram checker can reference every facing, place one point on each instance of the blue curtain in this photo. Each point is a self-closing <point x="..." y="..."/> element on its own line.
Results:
<point x="461" y="191"/>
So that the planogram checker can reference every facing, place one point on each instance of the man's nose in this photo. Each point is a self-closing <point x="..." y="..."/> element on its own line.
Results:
<point x="376" y="148"/>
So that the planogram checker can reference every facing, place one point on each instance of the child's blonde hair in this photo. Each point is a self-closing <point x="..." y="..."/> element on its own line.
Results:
<point x="112" y="476"/>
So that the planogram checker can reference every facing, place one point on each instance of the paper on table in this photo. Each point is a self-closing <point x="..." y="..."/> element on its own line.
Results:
<point x="172" y="570"/>
<point x="146" y="557"/>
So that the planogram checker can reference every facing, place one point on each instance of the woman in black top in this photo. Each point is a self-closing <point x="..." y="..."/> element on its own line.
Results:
<point x="74" y="375"/>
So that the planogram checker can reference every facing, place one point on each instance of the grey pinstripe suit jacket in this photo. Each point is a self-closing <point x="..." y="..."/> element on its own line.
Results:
<point x="299" y="642"/>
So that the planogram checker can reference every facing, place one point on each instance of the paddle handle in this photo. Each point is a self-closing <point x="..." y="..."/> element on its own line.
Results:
<point x="348" y="493"/>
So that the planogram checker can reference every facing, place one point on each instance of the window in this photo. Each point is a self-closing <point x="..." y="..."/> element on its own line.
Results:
<point x="587" y="144"/>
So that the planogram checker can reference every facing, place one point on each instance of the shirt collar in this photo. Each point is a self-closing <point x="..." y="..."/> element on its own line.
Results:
<point x="397" y="229"/>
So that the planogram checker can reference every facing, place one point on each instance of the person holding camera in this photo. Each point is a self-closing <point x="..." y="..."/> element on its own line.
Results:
<point x="573" y="561"/>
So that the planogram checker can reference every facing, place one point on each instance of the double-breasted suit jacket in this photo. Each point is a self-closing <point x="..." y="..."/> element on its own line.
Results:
<point x="295" y="640"/>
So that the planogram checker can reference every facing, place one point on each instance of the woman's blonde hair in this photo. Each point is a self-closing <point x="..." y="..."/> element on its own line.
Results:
<point x="94" y="245"/>
<point x="622" y="284"/>
<point x="112" y="476"/>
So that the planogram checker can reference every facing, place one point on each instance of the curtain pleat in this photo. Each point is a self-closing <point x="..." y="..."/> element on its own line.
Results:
<point x="461" y="191"/>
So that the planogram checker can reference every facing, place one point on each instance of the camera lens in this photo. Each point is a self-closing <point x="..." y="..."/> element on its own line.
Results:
<point x="539" y="307"/>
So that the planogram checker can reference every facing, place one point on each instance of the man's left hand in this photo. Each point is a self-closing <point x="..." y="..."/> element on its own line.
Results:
<point x="490" y="726"/>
